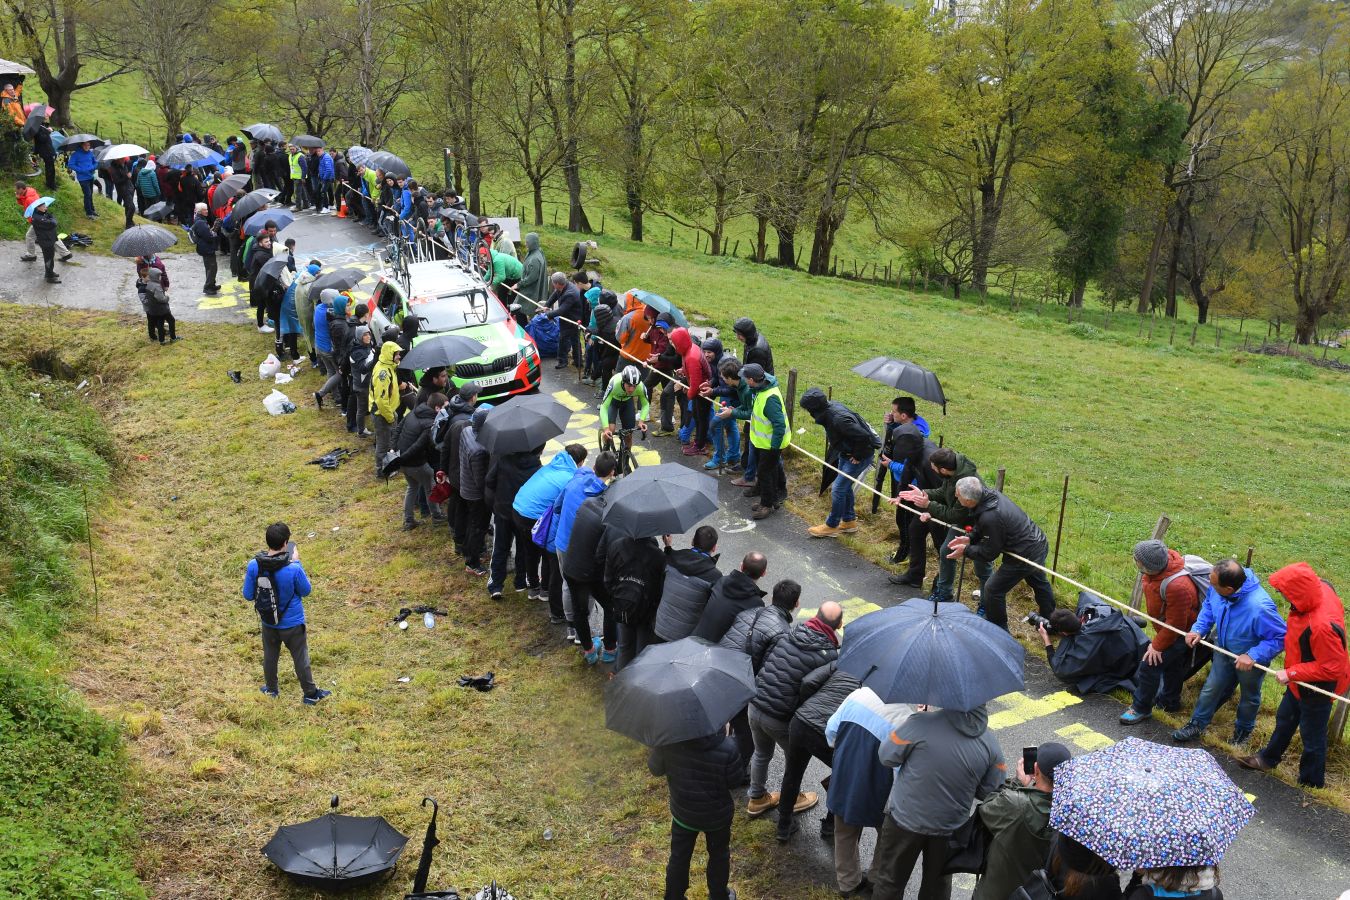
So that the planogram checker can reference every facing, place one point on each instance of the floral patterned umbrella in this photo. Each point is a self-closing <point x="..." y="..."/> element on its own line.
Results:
<point x="1141" y="805"/>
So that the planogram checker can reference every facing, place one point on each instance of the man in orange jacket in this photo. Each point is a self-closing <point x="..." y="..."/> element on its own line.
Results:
<point x="1173" y="596"/>
<point x="1314" y="653"/>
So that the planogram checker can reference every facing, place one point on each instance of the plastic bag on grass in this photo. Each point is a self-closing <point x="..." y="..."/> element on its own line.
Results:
<point x="276" y="403"/>
<point x="268" y="367"/>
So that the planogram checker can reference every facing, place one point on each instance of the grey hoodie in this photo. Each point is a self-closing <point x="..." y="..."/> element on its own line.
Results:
<point x="947" y="759"/>
<point x="534" y="274"/>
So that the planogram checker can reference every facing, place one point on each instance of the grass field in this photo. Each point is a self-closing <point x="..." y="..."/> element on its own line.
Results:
<point x="69" y="212"/>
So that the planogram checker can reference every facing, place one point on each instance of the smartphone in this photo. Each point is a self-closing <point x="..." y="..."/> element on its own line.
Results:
<point x="290" y="549"/>
<point x="1029" y="760"/>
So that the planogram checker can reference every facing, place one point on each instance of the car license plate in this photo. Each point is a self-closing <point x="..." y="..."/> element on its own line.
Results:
<point x="494" y="380"/>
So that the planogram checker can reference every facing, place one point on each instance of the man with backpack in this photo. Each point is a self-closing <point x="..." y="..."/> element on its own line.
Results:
<point x="849" y="446"/>
<point x="276" y="584"/>
<point x="690" y="576"/>
<point x="1173" y="587"/>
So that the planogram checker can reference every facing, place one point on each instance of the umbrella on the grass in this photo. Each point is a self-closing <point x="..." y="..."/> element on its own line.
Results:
<point x="307" y="141"/>
<point x="123" y="151"/>
<point x="523" y="424"/>
<point x="429" y="843"/>
<point x="661" y="304"/>
<point x="258" y="221"/>
<point x="445" y="350"/>
<point x="905" y="376"/>
<point x="1140" y="805"/>
<point x="251" y="202"/>
<point x="678" y="691"/>
<point x="180" y="155"/>
<point x="76" y="140"/>
<point x="664" y="499"/>
<point x="389" y="163"/>
<point x="158" y="212"/>
<point x="941" y="654"/>
<point x="263" y="132"/>
<point x="333" y="851"/>
<point x="228" y="189"/>
<point x="338" y="280"/>
<point x="41" y="201"/>
<point x="143" y="240"/>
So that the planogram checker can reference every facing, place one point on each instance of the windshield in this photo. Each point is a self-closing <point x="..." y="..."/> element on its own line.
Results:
<point x="451" y="311"/>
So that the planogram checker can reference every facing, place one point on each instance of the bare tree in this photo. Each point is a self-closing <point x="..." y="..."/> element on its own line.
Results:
<point x="51" y="36"/>
<point x="296" y="65"/>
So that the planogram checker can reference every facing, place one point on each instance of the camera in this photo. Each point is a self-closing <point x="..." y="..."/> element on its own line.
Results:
<point x="1038" y="621"/>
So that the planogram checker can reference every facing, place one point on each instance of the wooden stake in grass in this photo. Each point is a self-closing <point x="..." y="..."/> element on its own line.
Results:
<point x="1059" y="529"/>
<point x="89" y="540"/>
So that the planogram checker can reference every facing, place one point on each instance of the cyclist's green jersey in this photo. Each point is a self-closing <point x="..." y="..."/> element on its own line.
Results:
<point x="616" y="394"/>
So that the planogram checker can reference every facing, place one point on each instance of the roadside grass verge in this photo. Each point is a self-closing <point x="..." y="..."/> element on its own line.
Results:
<point x="69" y="212"/>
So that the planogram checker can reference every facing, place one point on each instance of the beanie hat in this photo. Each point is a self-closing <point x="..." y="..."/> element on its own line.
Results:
<point x="1151" y="556"/>
<point x="328" y="295"/>
<point x="753" y="370"/>
<point x="313" y="268"/>
<point x="1049" y="755"/>
<point x="361" y="331"/>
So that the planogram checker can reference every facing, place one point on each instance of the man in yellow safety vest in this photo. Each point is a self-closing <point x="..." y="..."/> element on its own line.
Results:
<point x="769" y="436"/>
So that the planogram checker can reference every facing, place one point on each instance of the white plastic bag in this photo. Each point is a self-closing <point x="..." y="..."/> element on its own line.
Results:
<point x="275" y="402"/>
<point x="283" y="378"/>
<point x="268" y="367"/>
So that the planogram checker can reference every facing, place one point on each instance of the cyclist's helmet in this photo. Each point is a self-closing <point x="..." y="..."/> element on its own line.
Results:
<point x="631" y="375"/>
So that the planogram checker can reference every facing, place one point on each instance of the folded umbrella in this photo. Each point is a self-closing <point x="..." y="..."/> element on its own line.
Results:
<point x="444" y="350"/>
<point x="333" y="851"/>
<point x="122" y="151"/>
<point x="158" y="212"/>
<point x="181" y="155"/>
<point x="41" y="201"/>
<point x="143" y="240"/>
<point x="661" y="304"/>
<point x="679" y="691"/>
<point x="228" y="189"/>
<point x="664" y="499"/>
<point x="1140" y="805"/>
<point x="389" y="164"/>
<point x="75" y="140"/>
<point x="258" y="221"/>
<point x="307" y="141"/>
<point x="263" y="132"/>
<point x="523" y="424"/>
<point x="941" y="654"/>
<point x="338" y="280"/>
<point x="251" y="202"/>
<point x="905" y="376"/>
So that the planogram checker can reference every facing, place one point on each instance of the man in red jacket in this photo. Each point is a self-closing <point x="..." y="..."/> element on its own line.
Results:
<point x="1314" y="653"/>
<point x="1171" y="595"/>
<point x="696" y="373"/>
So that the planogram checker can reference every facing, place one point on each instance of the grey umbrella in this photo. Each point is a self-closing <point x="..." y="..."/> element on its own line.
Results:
<point x="157" y="212"/>
<point x="75" y="140"/>
<point x="228" y="189"/>
<point x="359" y="155"/>
<point x="678" y="691"/>
<point x="523" y="424"/>
<point x="180" y="155"/>
<point x="263" y="132"/>
<point x="36" y="117"/>
<point x="664" y="499"/>
<point x="143" y="240"/>
<point x="905" y="376"/>
<point x="338" y="280"/>
<point x="333" y="851"/>
<point x="307" y="141"/>
<point x="389" y="164"/>
<point x="273" y="268"/>
<point x="251" y="202"/>
<point x="441" y="350"/>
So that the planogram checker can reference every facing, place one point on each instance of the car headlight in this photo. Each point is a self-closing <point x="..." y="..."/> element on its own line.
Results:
<point x="526" y="352"/>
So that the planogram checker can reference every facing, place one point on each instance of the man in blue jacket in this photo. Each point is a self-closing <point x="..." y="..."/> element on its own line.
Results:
<point x="85" y="168"/>
<point x="276" y="584"/>
<point x="1244" y="621"/>
<point x="534" y="498"/>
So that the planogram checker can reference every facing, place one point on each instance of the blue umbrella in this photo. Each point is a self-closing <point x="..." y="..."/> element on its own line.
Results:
<point x="941" y="654"/>
<point x="259" y="220"/>
<point x="28" y="212"/>
<point x="661" y="304"/>
<point x="1140" y="805"/>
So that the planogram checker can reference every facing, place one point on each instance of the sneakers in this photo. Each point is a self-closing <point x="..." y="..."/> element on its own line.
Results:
<point x="1255" y="761"/>
<point x="365" y="432"/>
<point x="608" y="656"/>
<point x="785" y="835"/>
<point x="823" y="531"/>
<point x="1133" y="717"/>
<point x="310" y="701"/>
<point x="265" y="329"/>
<point x="571" y="637"/>
<point x="410" y="525"/>
<point x="1240" y="736"/>
<point x="848" y="525"/>
<point x="273" y="694"/>
<point x="475" y="570"/>
<point x="741" y="482"/>
<point x="827" y="828"/>
<point x="534" y="593"/>
<point x="691" y="450"/>
<point x="28" y="259"/>
<point x="758" y="806"/>
<point x="1189" y="732"/>
<point x="494" y="593"/>
<point x="592" y="656"/>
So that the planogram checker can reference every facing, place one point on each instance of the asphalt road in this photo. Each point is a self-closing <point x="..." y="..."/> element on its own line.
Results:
<point x="1293" y="849"/>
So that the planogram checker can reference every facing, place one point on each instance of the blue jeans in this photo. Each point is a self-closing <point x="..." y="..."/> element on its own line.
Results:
<point x="1223" y="678"/>
<point x="942" y="588"/>
<point x="1309" y="717"/>
<point x="751" y="462"/>
<point x="726" y="440"/>
<point x="841" y="492"/>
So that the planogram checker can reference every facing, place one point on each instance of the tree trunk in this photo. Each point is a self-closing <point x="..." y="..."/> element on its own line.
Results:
<point x="1079" y="288"/>
<point x="787" y="246"/>
<point x="1151" y="267"/>
<point x="991" y="208"/>
<point x="576" y="213"/>
<point x="822" y="243"/>
<point x="761" y="237"/>
<point x="1305" y="326"/>
<point x="474" y="171"/>
<point x="537" y="186"/>
<point x="1174" y="259"/>
<point x="635" y="227"/>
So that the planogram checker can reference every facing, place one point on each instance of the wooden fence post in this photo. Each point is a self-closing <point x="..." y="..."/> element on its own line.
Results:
<point x="998" y="480"/>
<point x="1159" y="532"/>
<point x="672" y="238"/>
<point x="1059" y="529"/>
<point x="791" y="395"/>
<point x="1194" y="329"/>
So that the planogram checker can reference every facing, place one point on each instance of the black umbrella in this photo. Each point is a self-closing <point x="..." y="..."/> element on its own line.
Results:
<point x="263" y="132"/>
<point x="445" y="350"/>
<point x="36" y="117"/>
<point x="678" y="691"/>
<point x="335" y="851"/>
<point x="905" y="376"/>
<point x="75" y="140"/>
<point x="158" y="212"/>
<point x="251" y="202"/>
<point x="941" y="654"/>
<point x="338" y="280"/>
<point x="143" y="240"/>
<point x="307" y="141"/>
<point x="272" y="269"/>
<point x="523" y="424"/>
<point x="229" y="188"/>
<point x="663" y="499"/>
<point x="389" y="163"/>
<point x="428" y="845"/>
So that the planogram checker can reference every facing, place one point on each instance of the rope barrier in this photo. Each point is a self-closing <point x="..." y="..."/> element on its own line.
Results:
<point x="1158" y="623"/>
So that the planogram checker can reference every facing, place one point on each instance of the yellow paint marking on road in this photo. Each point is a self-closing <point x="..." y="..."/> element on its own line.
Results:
<point x="647" y="457"/>
<point x="218" y="302"/>
<point x="567" y="399"/>
<point x="1084" y="737"/>
<point x="1019" y="708"/>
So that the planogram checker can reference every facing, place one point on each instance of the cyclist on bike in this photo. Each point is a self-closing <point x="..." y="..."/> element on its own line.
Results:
<point x="627" y="396"/>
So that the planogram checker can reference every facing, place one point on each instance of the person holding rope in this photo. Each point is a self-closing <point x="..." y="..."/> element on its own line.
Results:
<point x="768" y="435"/>
<point x="565" y="303"/>
<point x="939" y="503"/>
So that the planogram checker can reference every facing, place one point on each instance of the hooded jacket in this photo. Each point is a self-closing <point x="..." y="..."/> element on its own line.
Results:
<point x="584" y="483"/>
<point x="822" y="692"/>
<point x="473" y="459"/>
<point x="587" y="546"/>
<point x="361" y="361"/>
<point x="608" y="356"/>
<point x="459" y="413"/>
<point x="1002" y="527"/>
<point x="861" y="784"/>
<point x="1245" y="622"/>
<point x="631" y="332"/>
<point x="755" y="631"/>
<point x="544" y="486"/>
<point x="809" y="645"/>
<point x="690" y="576"/>
<point x="635" y="573"/>
<point x="507" y="473"/>
<point x="534" y="272"/>
<point x="288" y="580"/>
<point x="733" y="593"/>
<point x="697" y="372"/>
<point x="384" y="399"/>
<point x="1183" y="600"/>
<point x="942" y="503"/>
<point x="1104" y="655"/>
<point x="323" y="339"/>
<point x="947" y="759"/>
<point x="414" y="437"/>
<point x="1314" y="639"/>
<point x="701" y="775"/>
<point x="756" y="347"/>
<point x="83" y="164"/>
<point x="44" y="228"/>
<point x="846" y="432"/>
<point x="1018" y="819"/>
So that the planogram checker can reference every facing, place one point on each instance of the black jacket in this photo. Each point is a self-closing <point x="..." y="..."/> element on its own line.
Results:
<point x="587" y="548"/>
<point x="755" y="631"/>
<point x="340" y="333"/>
<point x="461" y="412"/>
<point x="906" y="444"/>
<point x="846" y="432"/>
<point x="567" y="304"/>
<point x="360" y="363"/>
<point x="822" y="692"/>
<point x="733" y="593"/>
<point x="414" y="436"/>
<point x="702" y="774"/>
<point x="203" y="236"/>
<point x="690" y="576"/>
<point x="506" y="473"/>
<point x="635" y="574"/>
<point x="1001" y="526"/>
<point x="44" y="228"/>
<point x="605" y="323"/>
<point x="757" y="351"/>
<point x="790" y="660"/>
<point x="1104" y="655"/>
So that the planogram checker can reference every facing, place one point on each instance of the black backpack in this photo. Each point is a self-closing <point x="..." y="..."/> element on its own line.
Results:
<point x="265" y="596"/>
